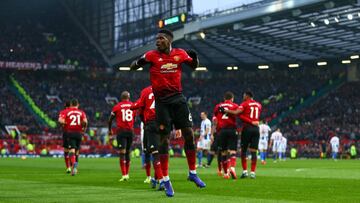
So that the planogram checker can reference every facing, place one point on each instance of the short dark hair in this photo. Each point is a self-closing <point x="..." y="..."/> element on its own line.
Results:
<point x="67" y="104"/>
<point x="204" y="112"/>
<point x="228" y="95"/>
<point x="125" y="95"/>
<point x="249" y="93"/>
<point x="74" y="102"/>
<point x="167" y="32"/>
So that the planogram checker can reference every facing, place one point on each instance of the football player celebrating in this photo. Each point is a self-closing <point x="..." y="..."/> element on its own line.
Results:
<point x="249" y="111"/>
<point x="146" y="105"/>
<point x="170" y="103"/>
<point x="227" y="134"/>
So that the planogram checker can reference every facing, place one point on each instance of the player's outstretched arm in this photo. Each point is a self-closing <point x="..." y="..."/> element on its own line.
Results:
<point x="139" y="103"/>
<point x="138" y="63"/>
<point x="234" y="112"/>
<point x="194" y="63"/>
<point x="248" y="120"/>
<point x="135" y="106"/>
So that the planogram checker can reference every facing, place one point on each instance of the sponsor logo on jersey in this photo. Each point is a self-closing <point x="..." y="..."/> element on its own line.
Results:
<point x="169" y="66"/>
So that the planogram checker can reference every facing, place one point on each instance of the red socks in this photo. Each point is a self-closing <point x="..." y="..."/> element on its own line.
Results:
<point x="72" y="159"/>
<point x="157" y="167"/>
<point x="123" y="166"/>
<point x="253" y="161"/>
<point x="243" y="162"/>
<point x="67" y="159"/>
<point x="158" y="170"/>
<point x="191" y="159"/>
<point x="233" y="161"/>
<point x="164" y="160"/>
<point x="225" y="163"/>
<point x="147" y="169"/>
<point x="253" y="165"/>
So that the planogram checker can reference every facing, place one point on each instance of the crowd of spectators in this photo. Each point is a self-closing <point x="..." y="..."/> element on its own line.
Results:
<point x="13" y="111"/>
<point x="338" y="113"/>
<point x="45" y="34"/>
<point x="91" y="88"/>
<point x="333" y="114"/>
<point x="276" y="89"/>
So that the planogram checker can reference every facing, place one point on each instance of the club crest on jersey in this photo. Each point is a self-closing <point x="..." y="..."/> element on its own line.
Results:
<point x="177" y="58"/>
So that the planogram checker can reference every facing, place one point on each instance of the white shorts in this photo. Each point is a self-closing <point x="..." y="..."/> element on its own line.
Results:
<point x="276" y="147"/>
<point x="204" y="144"/>
<point x="263" y="145"/>
<point x="282" y="148"/>
<point x="335" y="148"/>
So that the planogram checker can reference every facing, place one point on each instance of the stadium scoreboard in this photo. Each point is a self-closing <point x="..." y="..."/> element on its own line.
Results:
<point x="173" y="21"/>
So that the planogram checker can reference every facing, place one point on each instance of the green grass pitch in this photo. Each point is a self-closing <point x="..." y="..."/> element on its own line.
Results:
<point x="44" y="180"/>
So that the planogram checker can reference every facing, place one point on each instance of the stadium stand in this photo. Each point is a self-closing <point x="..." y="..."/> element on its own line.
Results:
<point x="49" y="37"/>
<point x="12" y="110"/>
<point x="277" y="89"/>
<point x="337" y="113"/>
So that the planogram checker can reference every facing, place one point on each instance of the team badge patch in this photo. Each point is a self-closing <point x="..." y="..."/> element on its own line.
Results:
<point x="177" y="58"/>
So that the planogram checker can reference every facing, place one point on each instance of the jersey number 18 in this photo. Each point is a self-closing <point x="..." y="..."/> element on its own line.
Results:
<point x="127" y="115"/>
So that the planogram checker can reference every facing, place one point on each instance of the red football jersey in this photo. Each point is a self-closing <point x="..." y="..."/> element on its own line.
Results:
<point x="146" y="104"/>
<point x="251" y="111"/>
<point x="62" y="115"/>
<point x="74" y="119"/>
<point x="125" y="117"/>
<point x="225" y="120"/>
<point x="166" y="70"/>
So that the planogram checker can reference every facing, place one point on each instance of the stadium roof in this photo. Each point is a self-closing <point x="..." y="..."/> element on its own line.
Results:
<point x="275" y="32"/>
